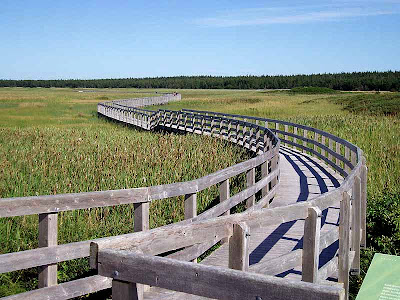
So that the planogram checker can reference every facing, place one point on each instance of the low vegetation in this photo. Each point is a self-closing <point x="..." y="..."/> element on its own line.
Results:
<point x="53" y="142"/>
<point x="375" y="104"/>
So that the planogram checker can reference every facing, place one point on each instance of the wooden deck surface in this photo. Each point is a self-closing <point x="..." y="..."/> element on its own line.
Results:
<point x="302" y="178"/>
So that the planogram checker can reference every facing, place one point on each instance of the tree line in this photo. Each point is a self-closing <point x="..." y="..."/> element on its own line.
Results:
<point x="362" y="81"/>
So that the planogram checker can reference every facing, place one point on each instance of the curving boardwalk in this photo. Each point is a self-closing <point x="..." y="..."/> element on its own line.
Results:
<point x="299" y="237"/>
<point x="302" y="178"/>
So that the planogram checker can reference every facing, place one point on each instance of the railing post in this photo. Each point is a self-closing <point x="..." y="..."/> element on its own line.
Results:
<point x="305" y="135"/>
<point x="141" y="216"/>
<point x="311" y="240"/>
<point x="344" y="243"/>
<point x="356" y="225"/>
<point x="330" y="147"/>
<point x="294" y="138"/>
<point x="347" y="156"/>
<point x="338" y="152"/>
<point x="224" y="193"/>
<point x="122" y="290"/>
<point x="190" y="206"/>
<point x="323" y="143"/>
<point x="364" y="173"/>
<point x="316" y="139"/>
<point x="239" y="247"/>
<point x="286" y="137"/>
<point x="48" y="233"/>
<point x="264" y="173"/>
<point x="250" y="181"/>
<point x="191" y="209"/>
<point x="274" y="166"/>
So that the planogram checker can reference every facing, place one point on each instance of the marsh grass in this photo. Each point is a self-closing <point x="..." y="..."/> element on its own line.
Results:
<point x="61" y="146"/>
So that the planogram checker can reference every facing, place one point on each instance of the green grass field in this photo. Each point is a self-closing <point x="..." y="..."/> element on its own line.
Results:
<point x="53" y="142"/>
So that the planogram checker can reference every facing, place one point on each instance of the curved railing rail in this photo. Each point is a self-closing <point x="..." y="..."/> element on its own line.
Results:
<point x="200" y="232"/>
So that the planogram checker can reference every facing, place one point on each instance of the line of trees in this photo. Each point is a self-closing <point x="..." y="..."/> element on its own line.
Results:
<point x="363" y="81"/>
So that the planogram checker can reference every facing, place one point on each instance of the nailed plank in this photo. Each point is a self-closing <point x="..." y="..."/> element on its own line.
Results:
<point x="67" y="290"/>
<point x="279" y="264"/>
<point x="207" y="281"/>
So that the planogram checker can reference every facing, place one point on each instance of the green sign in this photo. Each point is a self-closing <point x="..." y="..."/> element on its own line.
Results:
<point x="383" y="279"/>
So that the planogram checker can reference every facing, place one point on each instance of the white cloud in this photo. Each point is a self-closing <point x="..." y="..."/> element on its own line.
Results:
<point x="300" y="14"/>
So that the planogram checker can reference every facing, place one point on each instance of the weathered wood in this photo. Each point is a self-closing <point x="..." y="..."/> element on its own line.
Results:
<point x="250" y="181"/>
<point x="122" y="290"/>
<point x="347" y="156"/>
<point x="305" y="135"/>
<point x="338" y="152"/>
<point x="208" y="281"/>
<point x="344" y="243"/>
<point x="311" y="242"/>
<point x="364" y="172"/>
<point x="67" y="290"/>
<point x="279" y="264"/>
<point x="328" y="238"/>
<point x="141" y="216"/>
<point x="356" y="226"/>
<point x="323" y="143"/>
<point x="48" y="235"/>
<point x="328" y="269"/>
<point x="239" y="247"/>
<point x="190" y="206"/>
<point x="264" y="173"/>
<point x="224" y="194"/>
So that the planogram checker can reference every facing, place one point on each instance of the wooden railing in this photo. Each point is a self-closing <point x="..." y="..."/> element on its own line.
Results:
<point x="197" y="233"/>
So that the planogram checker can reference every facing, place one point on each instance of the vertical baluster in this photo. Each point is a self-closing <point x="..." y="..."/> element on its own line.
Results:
<point x="48" y="234"/>
<point x="311" y="240"/>
<point x="250" y="181"/>
<point x="344" y="243"/>
<point x="239" y="247"/>
<point x="356" y="225"/>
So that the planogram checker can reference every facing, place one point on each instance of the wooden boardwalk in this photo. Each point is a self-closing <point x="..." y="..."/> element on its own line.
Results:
<point x="302" y="178"/>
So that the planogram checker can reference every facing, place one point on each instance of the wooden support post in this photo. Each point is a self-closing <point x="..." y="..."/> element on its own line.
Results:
<point x="316" y="138"/>
<point x="264" y="173"/>
<point x="122" y="290"/>
<point x="277" y="128"/>
<point x="356" y="226"/>
<point x="347" y="156"/>
<point x="224" y="193"/>
<point x="141" y="216"/>
<point x="274" y="165"/>
<point x="311" y="241"/>
<point x="330" y="147"/>
<point x="266" y="143"/>
<point x="323" y="143"/>
<point x="191" y="209"/>
<point x="364" y="172"/>
<point x="286" y="137"/>
<point x="250" y="180"/>
<point x="338" y="152"/>
<point x="295" y="139"/>
<point x="305" y="135"/>
<point x="48" y="232"/>
<point x="258" y="142"/>
<point x="141" y="223"/>
<point x="344" y="243"/>
<point x="190" y="206"/>
<point x="239" y="247"/>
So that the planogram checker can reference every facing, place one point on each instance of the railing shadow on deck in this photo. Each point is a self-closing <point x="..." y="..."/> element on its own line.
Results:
<point x="197" y="233"/>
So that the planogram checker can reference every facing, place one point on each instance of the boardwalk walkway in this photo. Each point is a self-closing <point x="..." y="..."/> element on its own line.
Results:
<point x="302" y="178"/>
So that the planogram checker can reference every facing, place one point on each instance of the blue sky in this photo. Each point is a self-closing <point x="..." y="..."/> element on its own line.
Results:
<point x="114" y="39"/>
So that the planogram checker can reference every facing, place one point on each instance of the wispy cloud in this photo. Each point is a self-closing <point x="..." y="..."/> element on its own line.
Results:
<point x="300" y="14"/>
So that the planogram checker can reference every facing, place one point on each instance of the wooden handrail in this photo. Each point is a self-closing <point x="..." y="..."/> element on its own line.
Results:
<point x="198" y="233"/>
